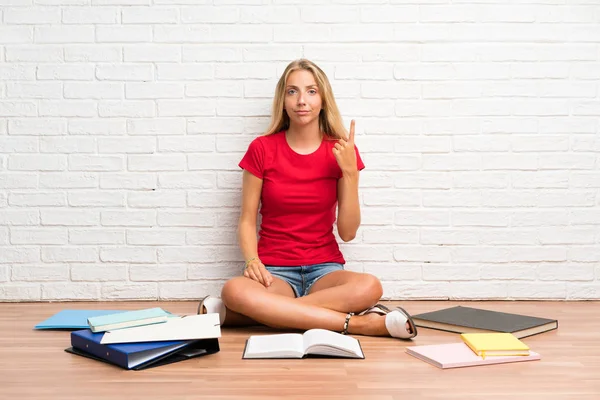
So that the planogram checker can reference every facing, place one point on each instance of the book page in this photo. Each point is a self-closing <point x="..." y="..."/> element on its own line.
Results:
<point x="321" y="341"/>
<point x="287" y="345"/>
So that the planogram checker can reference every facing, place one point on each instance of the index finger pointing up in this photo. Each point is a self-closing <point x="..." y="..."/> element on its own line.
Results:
<point x="351" y="136"/>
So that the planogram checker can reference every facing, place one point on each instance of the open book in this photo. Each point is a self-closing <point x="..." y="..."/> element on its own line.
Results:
<point x="314" y="342"/>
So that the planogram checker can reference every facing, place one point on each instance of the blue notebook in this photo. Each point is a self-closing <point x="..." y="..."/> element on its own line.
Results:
<point x="138" y="356"/>
<point x="72" y="319"/>
<point x="127" y="319"/>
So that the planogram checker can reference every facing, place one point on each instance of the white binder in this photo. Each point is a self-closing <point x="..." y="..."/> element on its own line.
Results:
<point x="190" y="327"/>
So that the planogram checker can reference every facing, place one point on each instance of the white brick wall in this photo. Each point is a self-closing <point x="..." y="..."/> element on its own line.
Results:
<point x="122" y="123"/>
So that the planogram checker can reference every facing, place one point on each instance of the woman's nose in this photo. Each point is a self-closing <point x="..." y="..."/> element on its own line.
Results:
<point x="301" y="99"/>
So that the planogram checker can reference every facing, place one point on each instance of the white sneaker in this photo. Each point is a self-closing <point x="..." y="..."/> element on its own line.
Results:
<point x="212" y="305"/>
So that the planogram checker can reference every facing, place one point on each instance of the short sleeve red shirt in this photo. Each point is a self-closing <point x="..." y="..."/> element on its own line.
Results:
<point x="298" y="201"/>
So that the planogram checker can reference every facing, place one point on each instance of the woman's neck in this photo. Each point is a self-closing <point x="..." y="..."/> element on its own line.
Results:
<point x="303" y="140"/>
<point x="304" y="135"/>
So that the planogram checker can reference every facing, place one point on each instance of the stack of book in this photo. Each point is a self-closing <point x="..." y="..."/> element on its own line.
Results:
<point x="146" y="338"/>
<point x="488" y="337"/>
<point x="475" y="349"/>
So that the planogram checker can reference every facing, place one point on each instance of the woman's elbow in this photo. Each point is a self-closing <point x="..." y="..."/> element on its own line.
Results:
<point x="347" y="236"/>
<point x="347" y="232"/>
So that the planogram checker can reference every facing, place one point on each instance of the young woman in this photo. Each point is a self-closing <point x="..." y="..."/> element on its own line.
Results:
<point x="299" y="171"/>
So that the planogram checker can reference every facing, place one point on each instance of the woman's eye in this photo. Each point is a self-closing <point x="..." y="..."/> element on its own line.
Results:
<point x="312" y="91"/>
<point x="291" y="91"/>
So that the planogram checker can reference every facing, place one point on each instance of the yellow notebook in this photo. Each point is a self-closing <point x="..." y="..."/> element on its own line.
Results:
<point x="495" y="344"/>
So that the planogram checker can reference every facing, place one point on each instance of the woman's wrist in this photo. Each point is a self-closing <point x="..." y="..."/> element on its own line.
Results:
<point x="351" y="174"/>
<point x="250" y="260"/>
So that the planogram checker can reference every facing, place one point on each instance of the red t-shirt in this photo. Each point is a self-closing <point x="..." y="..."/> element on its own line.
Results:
<point x="298" y="201"/>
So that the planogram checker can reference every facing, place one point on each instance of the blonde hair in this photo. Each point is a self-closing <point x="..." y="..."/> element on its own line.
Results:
<point x="330" y="119"/>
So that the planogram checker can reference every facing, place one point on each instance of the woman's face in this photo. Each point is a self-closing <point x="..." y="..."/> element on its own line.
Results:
<point x="302" y="98"/>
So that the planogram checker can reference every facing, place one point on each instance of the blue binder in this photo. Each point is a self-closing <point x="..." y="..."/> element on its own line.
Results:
<point x="139" y="356"/>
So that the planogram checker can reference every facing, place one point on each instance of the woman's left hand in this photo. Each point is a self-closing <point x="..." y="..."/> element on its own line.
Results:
<point x="344" y="152"/>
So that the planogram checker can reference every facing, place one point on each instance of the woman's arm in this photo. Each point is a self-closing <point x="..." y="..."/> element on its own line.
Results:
<point x="348" y="219"/>
<point x="251" y="190"/>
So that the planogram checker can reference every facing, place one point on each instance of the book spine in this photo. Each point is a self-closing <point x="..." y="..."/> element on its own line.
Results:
<point x="100" y="350"/>
<point x="479" y="353"/>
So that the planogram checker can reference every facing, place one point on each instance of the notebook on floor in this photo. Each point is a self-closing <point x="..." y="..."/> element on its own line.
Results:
<point x="128" y="319"/>
<point x="72" y="319"/>
<point x="457" y="355"/>
<point x="472" y="320"/>
<point x="495" y="344"/>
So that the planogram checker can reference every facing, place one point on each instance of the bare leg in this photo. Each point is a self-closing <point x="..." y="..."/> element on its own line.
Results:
<point x="234" y="319"/>
<point x="342" y="291"/>
<point x="278" y="286"/>
<point x="247" y="297"/>
<point x="345" y="291"/>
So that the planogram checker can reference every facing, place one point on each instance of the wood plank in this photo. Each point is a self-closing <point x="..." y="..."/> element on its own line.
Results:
<point x="33" y="363"/>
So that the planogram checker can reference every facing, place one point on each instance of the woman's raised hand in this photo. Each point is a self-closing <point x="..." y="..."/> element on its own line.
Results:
<point x="344" y="152"/>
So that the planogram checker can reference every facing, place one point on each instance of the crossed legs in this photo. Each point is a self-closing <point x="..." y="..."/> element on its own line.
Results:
<point x="326" y="306"/>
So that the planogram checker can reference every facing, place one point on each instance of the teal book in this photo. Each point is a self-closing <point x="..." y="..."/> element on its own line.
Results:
<point x="72" y="319"/>
<point x="127" y="319"/>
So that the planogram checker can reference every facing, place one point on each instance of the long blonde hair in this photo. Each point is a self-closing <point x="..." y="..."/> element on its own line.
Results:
<point x="330" y="119"/>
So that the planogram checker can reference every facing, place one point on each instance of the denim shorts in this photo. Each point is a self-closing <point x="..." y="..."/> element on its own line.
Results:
<point x="303" y="277"/>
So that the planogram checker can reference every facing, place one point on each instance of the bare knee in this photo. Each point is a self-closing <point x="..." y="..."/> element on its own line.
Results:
<point x="238" y="294"/>
<point x="243" y="296"/>
<point x="368" y="292"/>
<point x="233" y="293"/>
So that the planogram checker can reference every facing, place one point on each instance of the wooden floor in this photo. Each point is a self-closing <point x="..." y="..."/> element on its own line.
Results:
<point x="33" y="364"/>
